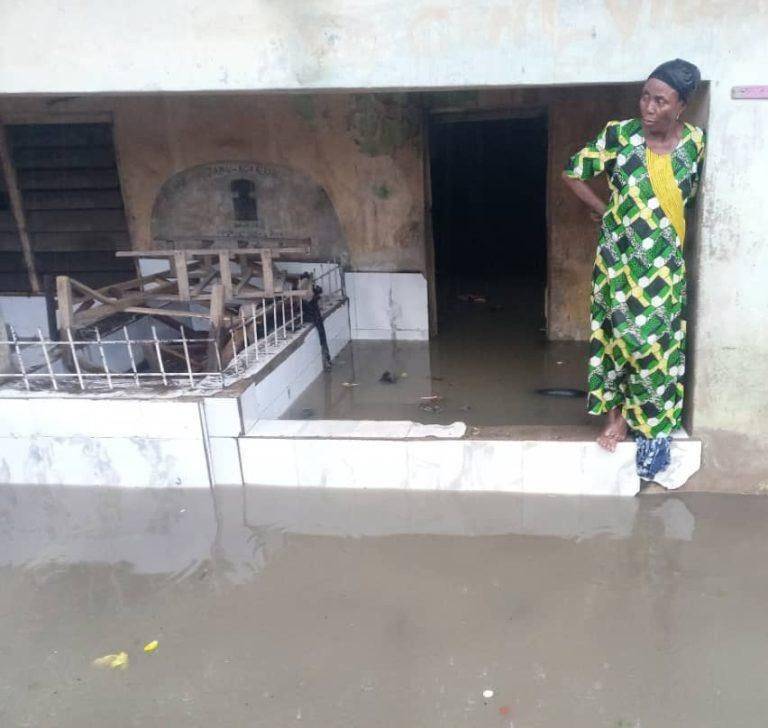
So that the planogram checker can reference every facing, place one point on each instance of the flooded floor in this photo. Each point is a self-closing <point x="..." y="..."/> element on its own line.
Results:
<point x="288" y="607"/>
<point x="483" y="368"/>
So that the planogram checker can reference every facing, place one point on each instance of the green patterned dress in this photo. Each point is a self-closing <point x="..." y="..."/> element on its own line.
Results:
<point x="637" y="345"/>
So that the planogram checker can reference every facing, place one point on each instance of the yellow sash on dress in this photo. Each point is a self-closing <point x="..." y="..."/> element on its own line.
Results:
<point x="666" y="190"/>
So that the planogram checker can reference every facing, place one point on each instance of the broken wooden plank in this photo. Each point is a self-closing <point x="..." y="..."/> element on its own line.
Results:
<point x="98" y="313"/>
<point x="65" y="311"/>
<point x="87" y="315"/>
<point x="268" y="275"/>
<point x="182" y="274"/>
<point x="237" y="240"/>
<point x="203" y="282"/>
<point x="155" y="253"/>
<point x="139" y="275"/>
<point x="167" y="312"/>
<point x="245" y="275"/>
<point x="93" y="293"/>
<point x="134" y="282"/>
<point x="213" y="362"/>
<point x="11" y="184"/>
<point x="253" y="293"/>
<point x="225" y="271"/>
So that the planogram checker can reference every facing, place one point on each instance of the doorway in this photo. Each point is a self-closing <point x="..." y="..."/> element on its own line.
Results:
<point x="489" y="190"/>
<point x="491" y="354"/>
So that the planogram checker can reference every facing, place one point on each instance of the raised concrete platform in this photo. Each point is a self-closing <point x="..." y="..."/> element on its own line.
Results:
<point x="152" y="438"/>
<point x="387" y="457"/>
<point x="233" y="437"/>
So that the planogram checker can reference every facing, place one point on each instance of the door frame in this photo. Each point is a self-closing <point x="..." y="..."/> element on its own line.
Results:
<point x="452" y="116"/>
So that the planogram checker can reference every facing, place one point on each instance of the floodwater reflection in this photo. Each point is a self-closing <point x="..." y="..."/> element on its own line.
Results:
<point x="380" y="608"/>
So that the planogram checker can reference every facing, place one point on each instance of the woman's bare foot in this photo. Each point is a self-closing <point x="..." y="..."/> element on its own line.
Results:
<point x="651" y="488"/>
<point x="614" y="432"/>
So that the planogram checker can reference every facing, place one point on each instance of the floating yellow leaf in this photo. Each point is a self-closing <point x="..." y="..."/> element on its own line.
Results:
<point x="118" y="661"/>
<point x="151" y="646"/>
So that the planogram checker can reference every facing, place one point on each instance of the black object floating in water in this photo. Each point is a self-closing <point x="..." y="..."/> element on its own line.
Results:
<point x="387" y="378"/>
<point x="561" y="392"/>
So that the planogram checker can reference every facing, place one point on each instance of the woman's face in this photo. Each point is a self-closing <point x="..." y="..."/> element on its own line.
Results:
<point x="660" y="105"/>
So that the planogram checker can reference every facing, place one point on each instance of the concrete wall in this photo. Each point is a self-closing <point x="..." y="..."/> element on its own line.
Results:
<point x="372" y="179"/>
<point x="364" y="151"/>
<point x="192" y="45"/>
<point x="376" y="190"/>
<point x="336" y="44"/>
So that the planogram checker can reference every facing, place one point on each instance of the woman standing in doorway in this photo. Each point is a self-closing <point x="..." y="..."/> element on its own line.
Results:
<point x="637" y="345"/>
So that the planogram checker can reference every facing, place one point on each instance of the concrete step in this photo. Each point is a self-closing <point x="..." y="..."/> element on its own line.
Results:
<point x="341" y="460"/>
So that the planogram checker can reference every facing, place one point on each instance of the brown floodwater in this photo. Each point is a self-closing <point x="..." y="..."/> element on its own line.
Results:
<point x="288" y="607"/>
<point x="485" y="366"/>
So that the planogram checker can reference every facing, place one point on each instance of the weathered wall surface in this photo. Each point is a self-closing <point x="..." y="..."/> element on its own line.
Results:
<point x="336" y="44"/>
<point x="363" y="151"/>
<point x="193" y="45"/>
<point x="370" y="171"/>
<point x="228" y="202"/>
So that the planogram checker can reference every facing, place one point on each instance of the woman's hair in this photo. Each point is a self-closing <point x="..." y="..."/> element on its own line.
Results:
<point x="681" y="75"/>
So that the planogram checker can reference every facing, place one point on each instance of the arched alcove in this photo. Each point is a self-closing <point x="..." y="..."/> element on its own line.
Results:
<point x="242" y="200"/>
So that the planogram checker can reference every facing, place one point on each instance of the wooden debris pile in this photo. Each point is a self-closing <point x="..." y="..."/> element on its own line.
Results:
<point x="225" y="287"/>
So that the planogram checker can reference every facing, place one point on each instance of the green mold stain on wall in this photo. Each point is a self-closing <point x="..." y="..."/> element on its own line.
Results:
<point x="382" y="123"/>
<point x="382" y="192"/>
<point x="304" y="106"/>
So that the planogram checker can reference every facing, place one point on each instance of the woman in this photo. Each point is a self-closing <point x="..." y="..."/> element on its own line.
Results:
<point x="637" y="346"/>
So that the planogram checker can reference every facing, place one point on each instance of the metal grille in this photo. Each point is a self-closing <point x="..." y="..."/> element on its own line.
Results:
<point x="261" y="331"/>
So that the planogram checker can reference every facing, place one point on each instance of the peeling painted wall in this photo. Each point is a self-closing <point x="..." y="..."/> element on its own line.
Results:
<point x="243" y="201"/>
<point x="318" y="136"/>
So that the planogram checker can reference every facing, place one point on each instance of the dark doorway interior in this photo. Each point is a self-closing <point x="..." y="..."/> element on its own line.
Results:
<point x="488" y="181"/>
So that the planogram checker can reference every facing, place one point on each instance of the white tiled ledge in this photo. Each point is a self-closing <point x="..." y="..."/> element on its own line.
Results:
<point x="570" y="468"/>
<point x="355" y="429"/>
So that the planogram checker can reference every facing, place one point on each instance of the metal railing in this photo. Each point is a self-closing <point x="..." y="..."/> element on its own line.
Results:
<point x="256" y="335"/>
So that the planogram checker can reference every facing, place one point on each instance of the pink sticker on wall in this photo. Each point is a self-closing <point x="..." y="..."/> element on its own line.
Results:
<point x="749" y="92"/>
